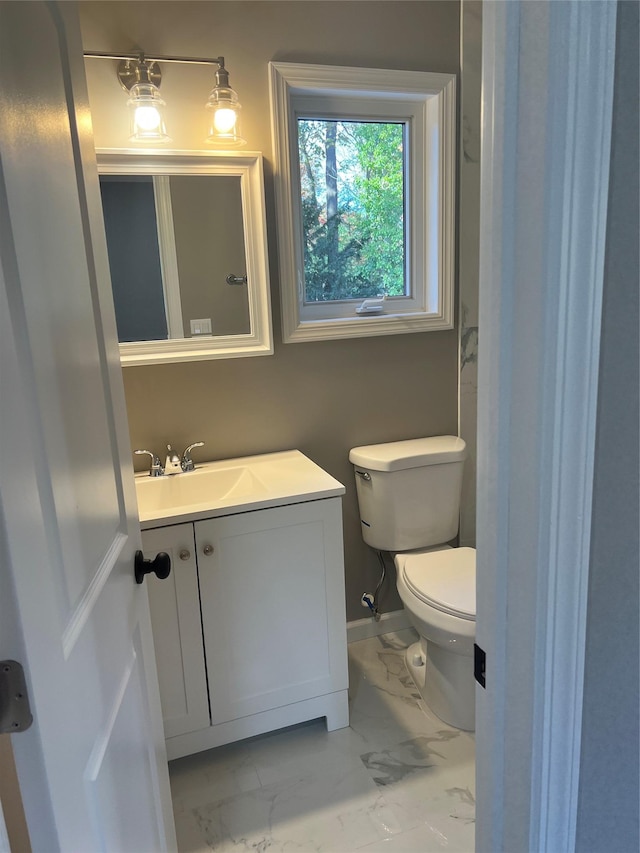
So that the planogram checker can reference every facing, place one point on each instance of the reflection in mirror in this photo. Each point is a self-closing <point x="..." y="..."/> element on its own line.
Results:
<point x="187" y="246"/>
<point x="172" y="243"/>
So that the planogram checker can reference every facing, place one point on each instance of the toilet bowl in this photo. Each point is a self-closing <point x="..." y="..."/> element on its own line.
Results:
<point x="409" y="500"/>
<point x="437" y="589"/>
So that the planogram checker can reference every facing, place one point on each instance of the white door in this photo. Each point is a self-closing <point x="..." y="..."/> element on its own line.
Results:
<point x="92" y="767"/>
<point x="547" y="99"/>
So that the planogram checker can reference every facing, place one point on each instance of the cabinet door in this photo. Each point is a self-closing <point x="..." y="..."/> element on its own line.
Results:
<point x="177" y="631"/>
<point x="273" y="609"/>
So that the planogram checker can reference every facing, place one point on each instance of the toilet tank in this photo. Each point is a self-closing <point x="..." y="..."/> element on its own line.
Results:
<point x="409" y="491"/>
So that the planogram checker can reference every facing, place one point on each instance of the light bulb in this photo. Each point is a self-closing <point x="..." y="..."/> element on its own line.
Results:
<point x="224" y="120"/>
<point x="147" y="118"/>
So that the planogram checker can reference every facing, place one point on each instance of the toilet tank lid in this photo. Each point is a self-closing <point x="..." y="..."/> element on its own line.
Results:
<point x="413" y="453"/>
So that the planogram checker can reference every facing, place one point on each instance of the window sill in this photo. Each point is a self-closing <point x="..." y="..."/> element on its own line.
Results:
<point x="365" y="327"/>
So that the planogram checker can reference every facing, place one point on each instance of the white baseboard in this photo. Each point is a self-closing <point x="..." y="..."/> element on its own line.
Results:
<point x="362" y="629"/>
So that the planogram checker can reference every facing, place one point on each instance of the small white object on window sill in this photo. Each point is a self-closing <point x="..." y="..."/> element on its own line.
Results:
<point x="372" y="306"/>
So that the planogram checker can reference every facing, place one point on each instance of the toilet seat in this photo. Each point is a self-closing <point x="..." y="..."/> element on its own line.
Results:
<point x="443" y="579"/>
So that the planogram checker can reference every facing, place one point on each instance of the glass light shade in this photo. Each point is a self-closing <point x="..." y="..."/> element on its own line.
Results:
<point x="146" y="111"/>
<point x="224" y="118"/>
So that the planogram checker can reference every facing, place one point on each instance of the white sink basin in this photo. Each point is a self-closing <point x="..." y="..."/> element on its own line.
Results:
<point x="204" y="485"/>
<point x="219" y="488"/>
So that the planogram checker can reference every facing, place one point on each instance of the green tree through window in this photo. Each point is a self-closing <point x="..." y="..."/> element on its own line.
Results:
<point x="352" y="180"/>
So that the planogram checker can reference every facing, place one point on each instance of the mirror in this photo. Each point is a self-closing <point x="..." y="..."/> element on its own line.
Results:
<point x="186" y="237"/>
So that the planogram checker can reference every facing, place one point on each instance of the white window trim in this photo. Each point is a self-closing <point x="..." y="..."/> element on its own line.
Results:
<point x="428" y="101"/>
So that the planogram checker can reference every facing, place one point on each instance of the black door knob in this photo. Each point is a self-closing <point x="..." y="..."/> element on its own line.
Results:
<point x="160" y="566"/>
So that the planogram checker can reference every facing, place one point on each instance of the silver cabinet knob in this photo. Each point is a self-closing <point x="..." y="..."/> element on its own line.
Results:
<point x="184" y="554"/>
<point x="208" y="550"/>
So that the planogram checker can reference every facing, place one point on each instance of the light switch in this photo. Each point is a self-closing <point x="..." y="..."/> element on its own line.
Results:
<point x="201" y="327"/>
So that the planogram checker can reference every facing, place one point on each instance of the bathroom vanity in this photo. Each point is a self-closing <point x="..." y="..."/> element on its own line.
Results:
<point x="250" y="627"/>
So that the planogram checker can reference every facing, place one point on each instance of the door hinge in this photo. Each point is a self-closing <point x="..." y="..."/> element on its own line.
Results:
<point x="15" y="713"/>
<point x="479" y="664"/>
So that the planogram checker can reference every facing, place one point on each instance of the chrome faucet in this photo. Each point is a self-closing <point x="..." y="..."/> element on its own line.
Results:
<point x="156" y="469"/>
<point x="172" y="464"/>
<point x="186" y="463"/>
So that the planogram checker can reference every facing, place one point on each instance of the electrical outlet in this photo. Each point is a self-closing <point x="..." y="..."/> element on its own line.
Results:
<point x="201" y="327"/>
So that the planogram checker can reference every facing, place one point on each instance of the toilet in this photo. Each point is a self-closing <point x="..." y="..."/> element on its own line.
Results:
<point x="409" y="500"/>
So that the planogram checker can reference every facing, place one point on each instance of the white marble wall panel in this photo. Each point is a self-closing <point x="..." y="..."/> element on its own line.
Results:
<point x="468" y="258"/>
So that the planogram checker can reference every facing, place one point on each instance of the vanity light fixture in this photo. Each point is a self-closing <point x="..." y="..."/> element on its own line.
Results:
<point x="223" y="103"/>
<point x="141" y="78"/>
<point x="140" y="75"/>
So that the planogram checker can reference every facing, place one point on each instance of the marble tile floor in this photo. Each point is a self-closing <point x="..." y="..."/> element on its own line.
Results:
<point x="398" y="779"/>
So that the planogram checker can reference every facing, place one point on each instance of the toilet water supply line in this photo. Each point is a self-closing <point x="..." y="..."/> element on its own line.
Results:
<point x="371" y="601"/>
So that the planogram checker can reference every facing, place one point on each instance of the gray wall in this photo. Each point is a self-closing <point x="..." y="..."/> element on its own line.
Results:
<point x="608" y="818"/>
<point x="321" y="397"/>
<point x="207" y="221"/>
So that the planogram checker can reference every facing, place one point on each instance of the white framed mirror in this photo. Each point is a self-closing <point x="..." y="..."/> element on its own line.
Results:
<point x="187" y="243"/>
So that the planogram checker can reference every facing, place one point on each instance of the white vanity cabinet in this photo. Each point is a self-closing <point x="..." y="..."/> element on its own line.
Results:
<point x="250" y="626"/>
<point x="177" y="632"/>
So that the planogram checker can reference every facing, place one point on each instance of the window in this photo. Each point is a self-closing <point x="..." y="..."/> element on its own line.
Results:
<point x="365" y="199"/>
<point x="352" y="193"/>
